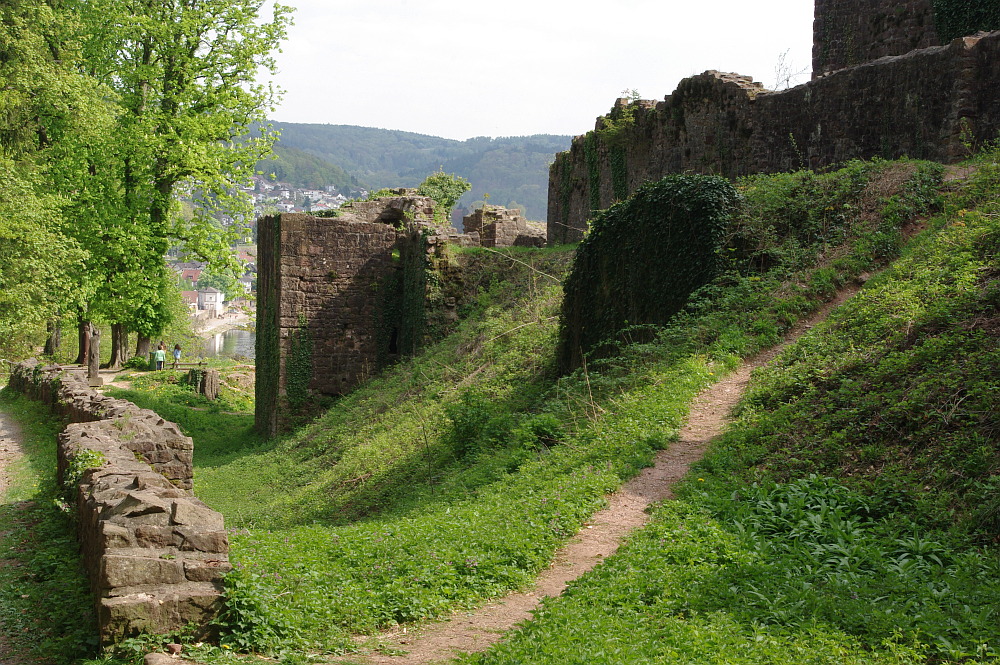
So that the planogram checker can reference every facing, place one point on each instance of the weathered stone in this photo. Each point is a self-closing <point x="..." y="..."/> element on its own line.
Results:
<point x="192" y="512"/>
<point x="132" y="571"/>
<point x="140" y="508"/>
<point x="136" y="561"/>
<point x="211" y="570"/>
<point x="156" y="537"/>
<point x="114" y="536"/>
<point x="496" y="226"/>
<point x="925" y="104"/>
<point x="198" y="540"/>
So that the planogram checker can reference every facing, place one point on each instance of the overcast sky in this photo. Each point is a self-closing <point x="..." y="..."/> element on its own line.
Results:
<point x="464" y="68"/>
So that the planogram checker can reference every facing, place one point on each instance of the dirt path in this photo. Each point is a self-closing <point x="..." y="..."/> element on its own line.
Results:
<point x="10" y="452"/>
<point x="10" y="449"/>
<point x="601" y="536"/>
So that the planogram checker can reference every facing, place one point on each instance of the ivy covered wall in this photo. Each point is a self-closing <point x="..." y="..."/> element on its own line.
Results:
<point x="847" y="33"/>
<point x="338" y="299"/>
<point x="642" y="259"/>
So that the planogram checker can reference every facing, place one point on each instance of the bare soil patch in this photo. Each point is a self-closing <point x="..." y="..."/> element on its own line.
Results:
<point x="601" y="536"/>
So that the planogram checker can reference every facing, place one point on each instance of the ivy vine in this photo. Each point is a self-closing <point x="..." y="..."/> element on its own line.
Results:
<point x="299" y="364"/>
<point x="958" y="18"/>
<point x="267" y="350"/>
<point x="591" y="152"/>
<point x="642" y="259"/>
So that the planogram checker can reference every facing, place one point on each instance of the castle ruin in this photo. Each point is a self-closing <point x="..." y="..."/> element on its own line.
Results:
<point x="883" y="86"/>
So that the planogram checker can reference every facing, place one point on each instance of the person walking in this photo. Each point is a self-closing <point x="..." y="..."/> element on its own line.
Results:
<point x="160" y="356"/>
<point x="177" y="354"/>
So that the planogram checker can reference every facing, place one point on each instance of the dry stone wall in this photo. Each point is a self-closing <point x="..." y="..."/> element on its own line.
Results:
<point x="155" y="555"/>
<point x="927" y="104"/>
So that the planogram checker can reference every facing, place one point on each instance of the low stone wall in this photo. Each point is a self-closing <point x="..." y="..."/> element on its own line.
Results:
<point x="154" y="553"/>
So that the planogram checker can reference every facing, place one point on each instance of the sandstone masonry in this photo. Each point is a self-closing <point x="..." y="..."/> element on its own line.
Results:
<point x="155" y="555"/>
<point x="338" y="298"/>
<point x="929" y="103"/>
<point x="847" y="33"/>
<point x="497" y="226"/>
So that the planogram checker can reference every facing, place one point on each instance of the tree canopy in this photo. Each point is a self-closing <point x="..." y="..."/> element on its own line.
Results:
<point x="110" y="112"/>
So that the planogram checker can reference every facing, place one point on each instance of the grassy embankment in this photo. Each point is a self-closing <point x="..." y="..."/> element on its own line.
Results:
<point x="453" y="477"/>
<point x="851" y="513"/>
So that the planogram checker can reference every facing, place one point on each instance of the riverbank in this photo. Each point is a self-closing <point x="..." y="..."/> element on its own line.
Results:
<point x="231" y="320"/>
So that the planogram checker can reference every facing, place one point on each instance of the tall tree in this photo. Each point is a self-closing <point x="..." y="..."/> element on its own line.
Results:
<point x="44" y="99"/>
<point x="185" y="74"/>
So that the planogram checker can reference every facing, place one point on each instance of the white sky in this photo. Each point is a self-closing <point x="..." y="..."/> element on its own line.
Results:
<point x="460" y="69"/>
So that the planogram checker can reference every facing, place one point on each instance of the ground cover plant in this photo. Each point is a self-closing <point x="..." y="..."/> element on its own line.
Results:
<point x="453" y="476"/>
<point x="46" y="612"/>
<point x="849" y="516"/>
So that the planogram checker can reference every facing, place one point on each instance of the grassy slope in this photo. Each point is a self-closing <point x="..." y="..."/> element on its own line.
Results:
<point x="453" y="477"/>
<point x="846" y="516"/>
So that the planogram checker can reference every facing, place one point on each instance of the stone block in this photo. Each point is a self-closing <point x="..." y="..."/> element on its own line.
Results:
<point x="190" y="513"/>
<point x="140" y="507"/>
<point x="134" y="571"/>
<point x="210" y="570"/>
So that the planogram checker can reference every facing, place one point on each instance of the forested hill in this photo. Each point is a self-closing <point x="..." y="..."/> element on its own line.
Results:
<point x="512" y="170"/>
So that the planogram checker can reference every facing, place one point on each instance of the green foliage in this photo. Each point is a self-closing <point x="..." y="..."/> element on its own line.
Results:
<point x="40" y="560"/>
<point x="181" y="78"/>
<point x="446" y="190"/>
<point x="299" y="365"/>
<point x="958" y="18"/>
<point x="453" y="476"/>
<point x="765" y="560"/>
<point x="642" y="259"/>
<point x="83" y="461"/>
<point x="302" y="169"/>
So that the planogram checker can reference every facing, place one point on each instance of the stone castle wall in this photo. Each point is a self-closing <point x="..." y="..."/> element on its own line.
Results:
<point x="926" y="104"/>
<point x="155" y="555"/>
<point x="497" y="226"/>
<point x="847" y="33"/>
<point x="328" y="295"/>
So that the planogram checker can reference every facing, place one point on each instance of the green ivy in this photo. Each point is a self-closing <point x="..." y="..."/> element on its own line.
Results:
<point x="958" y="18"/>
<point x="591" y="152"/>
<point x="642" y="259"/>
<point x="298" y="364"/>
<point x="267" y="351"/>
<point x="619" y="171"/>
<point x="564" y="165"/>
<point x="403" y="299"/>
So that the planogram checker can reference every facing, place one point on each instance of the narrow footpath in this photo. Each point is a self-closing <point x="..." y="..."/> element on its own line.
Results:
<point x="600" y="537"/>
<point x="10" y="452"/>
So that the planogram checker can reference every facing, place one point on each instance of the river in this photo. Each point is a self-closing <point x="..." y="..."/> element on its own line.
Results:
<point x="230" y="343"/>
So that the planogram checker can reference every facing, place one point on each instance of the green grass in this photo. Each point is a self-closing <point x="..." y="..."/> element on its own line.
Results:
<point x="454" y="476"/>
<point x="850" y="514"/>
<point x="46" y="611"/>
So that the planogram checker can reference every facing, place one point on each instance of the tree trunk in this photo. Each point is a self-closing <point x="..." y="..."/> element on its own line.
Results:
<point x="54" y="339"/>
<point x="83" y="330"/>
<point x="119" y="346"/>
<point x="142" y="346"/>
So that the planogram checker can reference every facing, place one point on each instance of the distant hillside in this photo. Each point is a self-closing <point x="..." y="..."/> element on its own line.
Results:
<point x="512" y="170"/>
<point x="308" y="171"/>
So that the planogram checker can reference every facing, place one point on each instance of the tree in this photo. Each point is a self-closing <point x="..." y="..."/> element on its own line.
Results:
<point x="45" y="102"/>
<point x="445" y="189"/>
<point x="184" y="74"/>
